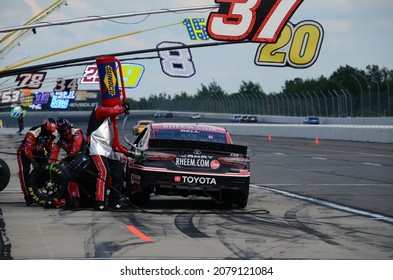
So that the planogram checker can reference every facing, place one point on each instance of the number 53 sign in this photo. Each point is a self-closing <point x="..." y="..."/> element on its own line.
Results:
<point x="265" y="21"/>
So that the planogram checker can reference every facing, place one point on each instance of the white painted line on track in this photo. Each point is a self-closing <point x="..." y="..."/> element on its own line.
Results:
<point x="328" y="204"/>
<point x="372" y="164"/>
<point x="320" y="158"/>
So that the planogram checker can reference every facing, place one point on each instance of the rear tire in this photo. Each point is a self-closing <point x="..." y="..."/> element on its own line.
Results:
<point x="236" y="199"/>
<point x="140" y="198"/>
<point x="49" y="181"/>
<point x="5" y="174"/>
<point x="239" y="203"/>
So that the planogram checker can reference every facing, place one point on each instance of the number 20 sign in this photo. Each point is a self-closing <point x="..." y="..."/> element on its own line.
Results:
<point x="256" y="20"/>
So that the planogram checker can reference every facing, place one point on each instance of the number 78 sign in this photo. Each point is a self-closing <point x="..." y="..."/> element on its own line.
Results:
<point x="256" y="20"/>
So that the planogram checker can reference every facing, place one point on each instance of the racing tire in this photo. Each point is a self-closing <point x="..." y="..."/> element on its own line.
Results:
<point x="140" y="198"/>
<point x="239" y="203"/>
<point x="235" y="199"/>
<point x="5" y="174"/>
<point x="49" y="181"/>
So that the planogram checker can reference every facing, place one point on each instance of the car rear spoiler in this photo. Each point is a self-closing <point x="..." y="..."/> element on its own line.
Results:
<point x="200" y="145"/>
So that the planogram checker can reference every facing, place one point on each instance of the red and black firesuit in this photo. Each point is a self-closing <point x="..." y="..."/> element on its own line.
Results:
<point x="109" y="164"/>
<point x="71" y="140"/>
<point x="35" y="149"/>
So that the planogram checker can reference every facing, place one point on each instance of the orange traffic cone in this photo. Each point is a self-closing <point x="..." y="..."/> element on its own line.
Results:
<point x="316" y="140"/>
<point x="269" y="137"/>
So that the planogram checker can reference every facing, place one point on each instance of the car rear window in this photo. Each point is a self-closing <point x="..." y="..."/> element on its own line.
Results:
<point x="192" y="135"/>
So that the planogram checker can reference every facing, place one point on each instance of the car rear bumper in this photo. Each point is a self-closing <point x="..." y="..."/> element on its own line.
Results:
<point x="201" y="184"/>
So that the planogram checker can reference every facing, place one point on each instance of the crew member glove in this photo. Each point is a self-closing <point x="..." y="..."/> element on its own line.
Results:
<point x="126" y="107"/>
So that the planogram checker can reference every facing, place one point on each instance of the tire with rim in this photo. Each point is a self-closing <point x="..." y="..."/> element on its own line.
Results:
<point x="236" y="199"/>
<point x="140" y="199"/>
<point x="5" y="174"/>
<point x="48" y="181"/>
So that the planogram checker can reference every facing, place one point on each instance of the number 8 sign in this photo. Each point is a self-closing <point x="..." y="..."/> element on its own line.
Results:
<point x="256" y="20"/>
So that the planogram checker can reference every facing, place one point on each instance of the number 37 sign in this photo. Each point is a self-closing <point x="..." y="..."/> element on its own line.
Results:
<point x="267" y="22"/>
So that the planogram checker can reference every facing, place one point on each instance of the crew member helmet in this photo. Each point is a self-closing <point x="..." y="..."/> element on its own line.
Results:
<point x="49" y="125"/>
<point x="64" y="126"/>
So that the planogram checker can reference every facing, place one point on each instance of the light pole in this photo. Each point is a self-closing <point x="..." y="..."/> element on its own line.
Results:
<point x="334" y="107"/>
<point x="319" y="103"/>
<point x="345" y="102"/>
<point x="305" y="100"/>
<point x="387" y="83"/>
<point x="269" y="105"/>
<point x="287" y="101"/>
<point x="300" y="104"/>
<point x="293" y="104"/>
<point x="361" y="94"/>
<point x="312" y="103"/>
<point x="326" y="106"/>
<point x="369" y="95"/>
<point x="281" y="106"/>
<point x="338" y="103"/>
<point x="379" y="93"/>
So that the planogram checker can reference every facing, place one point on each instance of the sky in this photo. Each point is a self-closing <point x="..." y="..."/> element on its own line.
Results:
<point x="355" y="33"/>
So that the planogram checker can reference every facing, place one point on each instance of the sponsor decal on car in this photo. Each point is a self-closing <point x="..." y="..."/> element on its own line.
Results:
<point x="196" y="160"/>
<point x="244" y="172"/>
<point x="192" y="162"/>
<point x="195" y="180"/>
<point x="135" y="179"/>
<point x="215" y="164"/>
<point x="186" y="127"/>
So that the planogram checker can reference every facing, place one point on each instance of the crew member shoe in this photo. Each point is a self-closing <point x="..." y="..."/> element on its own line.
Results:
<point x="100" y="206"/>
<point x="73" y="203"/>
<point x="119" y="204"/>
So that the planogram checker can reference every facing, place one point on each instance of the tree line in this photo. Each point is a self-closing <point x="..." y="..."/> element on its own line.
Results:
<point x="348" y="91"/>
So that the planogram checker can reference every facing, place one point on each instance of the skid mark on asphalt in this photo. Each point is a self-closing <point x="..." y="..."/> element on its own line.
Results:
<point x="291" y="216"/>
<point x="185" y="224"/>
<point x="93" y="248"/>
<point x="233" y="247"/>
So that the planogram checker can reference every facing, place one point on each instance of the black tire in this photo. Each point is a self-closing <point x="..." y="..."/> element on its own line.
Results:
<point x="140" y="198"/>
<point x="235" y="199"/>
<point x="5" y="174"/>
<point x="239" y="203"/>
<point x="48" y="181"/>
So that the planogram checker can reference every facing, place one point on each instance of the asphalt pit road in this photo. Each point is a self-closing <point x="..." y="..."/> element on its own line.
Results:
<point x="5" y="244"/>
<point x="292" y="218"/>
<point x="169" y="203"/>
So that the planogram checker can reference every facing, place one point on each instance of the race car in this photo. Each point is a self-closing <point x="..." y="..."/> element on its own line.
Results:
<point x="140" y="126"/>
<point x="189" y="160"/>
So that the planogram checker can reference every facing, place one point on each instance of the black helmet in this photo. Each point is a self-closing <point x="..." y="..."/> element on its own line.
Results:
<point x="63" y="125"/>
<point x="49" y="125"/>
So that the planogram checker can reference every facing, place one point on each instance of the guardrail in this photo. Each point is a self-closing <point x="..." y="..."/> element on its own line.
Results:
<point x="363" y="132"/>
